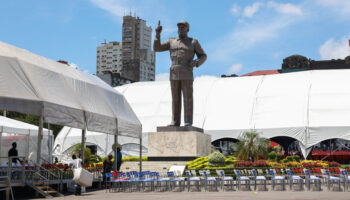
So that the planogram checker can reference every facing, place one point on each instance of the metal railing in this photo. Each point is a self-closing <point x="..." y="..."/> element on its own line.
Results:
<point x="13" y="170"/>
<point x="25" y="172"/>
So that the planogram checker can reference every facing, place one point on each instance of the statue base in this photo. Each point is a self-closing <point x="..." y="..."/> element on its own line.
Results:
<point x="178" y="129"/>
<point x="173" y="143"/>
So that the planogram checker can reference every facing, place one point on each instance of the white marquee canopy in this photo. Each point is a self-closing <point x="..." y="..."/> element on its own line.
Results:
<point x="32" y="84"/>
<point x="309" y="106"/>
<point x="62" y="95"/>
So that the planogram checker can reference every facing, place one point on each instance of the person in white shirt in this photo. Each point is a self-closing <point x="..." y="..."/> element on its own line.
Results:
<point x="75" y="164"/>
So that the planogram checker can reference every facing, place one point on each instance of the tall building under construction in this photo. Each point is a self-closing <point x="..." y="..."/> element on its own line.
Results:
<point x="132" y="60"/>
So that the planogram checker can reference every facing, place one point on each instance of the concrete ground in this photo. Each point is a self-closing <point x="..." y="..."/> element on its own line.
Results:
<point x="242" y="195"/>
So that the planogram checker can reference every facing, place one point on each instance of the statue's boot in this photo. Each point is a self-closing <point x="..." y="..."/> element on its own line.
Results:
<point x="173" y="123"/>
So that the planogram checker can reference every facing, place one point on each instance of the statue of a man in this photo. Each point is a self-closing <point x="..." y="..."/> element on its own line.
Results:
<point x="182" y="50"/>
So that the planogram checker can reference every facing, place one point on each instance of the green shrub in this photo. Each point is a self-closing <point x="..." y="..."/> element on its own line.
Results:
<point x="290" y="158"/>
<point x="344" y="166"/>
<point x="216" y="159"/>
<point x="296" y="158"/>
<point x="134" y="158"/>
<point x="272" y="156"/>
<point x="278" y="157"/>
<point x="95" y="158"/>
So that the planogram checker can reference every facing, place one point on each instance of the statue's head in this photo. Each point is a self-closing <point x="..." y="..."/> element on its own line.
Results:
<point x="183" y="28"/>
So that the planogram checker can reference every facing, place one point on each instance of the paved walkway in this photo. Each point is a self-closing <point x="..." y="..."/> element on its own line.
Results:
<point x="246" y="195"/>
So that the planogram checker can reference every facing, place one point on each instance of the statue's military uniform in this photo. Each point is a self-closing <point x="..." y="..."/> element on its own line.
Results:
<point x="182" y="52"/>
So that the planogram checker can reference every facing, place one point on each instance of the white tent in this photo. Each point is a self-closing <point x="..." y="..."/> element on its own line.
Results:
<point x="68" y="137"/>
<point x="25" y="135"/>
<point x="309" y="106"/>
<point x="63" y="95"/>
<point x="60" y="94"/>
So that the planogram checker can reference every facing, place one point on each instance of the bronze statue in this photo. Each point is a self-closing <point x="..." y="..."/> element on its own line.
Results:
<point x="182" y="50"/>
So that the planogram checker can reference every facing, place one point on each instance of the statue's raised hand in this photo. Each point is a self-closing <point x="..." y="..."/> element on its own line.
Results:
<point x="159" y="28"/>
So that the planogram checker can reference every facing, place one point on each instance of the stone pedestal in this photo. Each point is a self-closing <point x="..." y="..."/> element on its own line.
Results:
<point x="178" y="144"/>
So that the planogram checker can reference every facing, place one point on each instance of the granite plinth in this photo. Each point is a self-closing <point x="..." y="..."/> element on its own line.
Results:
<point x="178" y="145"/>
<point x="178" y="128"/>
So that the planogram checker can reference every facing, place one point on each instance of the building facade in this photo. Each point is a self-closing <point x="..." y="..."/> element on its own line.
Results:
<point x="132" y="59"/>
<point x="109" y="58"/>
<point x="137" y="57"/>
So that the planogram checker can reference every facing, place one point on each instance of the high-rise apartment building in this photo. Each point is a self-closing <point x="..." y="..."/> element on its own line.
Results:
<point x="133" y="58"/>
<point x="109" y="58"/>
<point x="138" y="57"/>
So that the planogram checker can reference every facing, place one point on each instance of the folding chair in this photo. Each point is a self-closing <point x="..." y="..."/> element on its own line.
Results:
<point x="147" y="178"/>
<point x="275" y="180"/>
<point x="159" y="181"/>
<point x="192" y="179"/>
<point x="331" y="180"/>
<point x="293" y="178"/>
<point x="346" y="178"/>
<point x="131" y="181"/>
<point x="309" y="178"/>
<point x="240" y="178"/>
<point x="208" y="180"/>
<point x="176" y="180"/>
<point x="119" y="181"/>
<point x="224" y="178"/>
<point x="262" y="179"/>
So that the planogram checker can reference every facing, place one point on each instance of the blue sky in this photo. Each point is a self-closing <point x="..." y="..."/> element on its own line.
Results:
<point x="238" y="36"/>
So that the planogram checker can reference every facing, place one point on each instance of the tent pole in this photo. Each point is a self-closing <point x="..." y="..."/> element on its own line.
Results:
<point x="1" y="130"/>
<point x="40" y="136"/>
<point x="141" y="153"/>
<point x="115" y="151"/>
<point x="83" y="141"/>
<point x="49" y="143"/>
<point x="27" y="150"/>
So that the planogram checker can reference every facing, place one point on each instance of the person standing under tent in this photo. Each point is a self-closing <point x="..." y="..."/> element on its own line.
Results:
<point x="119" y="159"/>
<point x="75" y="164"/>
<point x="14" y="153"/>
<point x="107" y="167"/>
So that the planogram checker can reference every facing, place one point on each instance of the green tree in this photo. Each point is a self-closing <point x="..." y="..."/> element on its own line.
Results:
<point x="252" y="147"/>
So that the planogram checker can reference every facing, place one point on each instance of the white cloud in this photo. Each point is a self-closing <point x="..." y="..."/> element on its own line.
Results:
<point x="249" y="11"/>
<point x="287" y="8"/>
<point x="162" y="77"/>
<point x="146" y="9"/>
<point x="333" y="49"/>
<point x="235" y="9"/>
<point x="115" y="7"/>
<point x="235" y="68"/>
<point x="339" y="6"/>
<point x="246" y="36"/>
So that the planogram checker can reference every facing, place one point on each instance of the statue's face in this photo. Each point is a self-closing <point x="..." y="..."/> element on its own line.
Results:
<point x="182" y="30"/>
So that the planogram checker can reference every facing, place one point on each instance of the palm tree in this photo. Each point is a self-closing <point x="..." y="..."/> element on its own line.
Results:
<point x="252" y="147"/>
